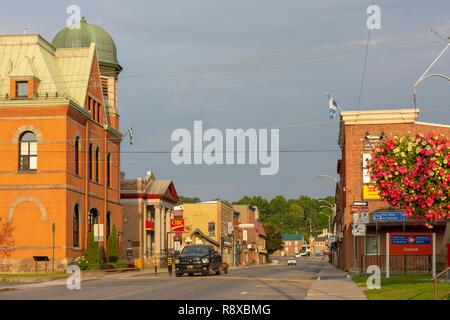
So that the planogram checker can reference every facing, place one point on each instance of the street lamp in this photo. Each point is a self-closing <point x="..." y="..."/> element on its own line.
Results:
<point x="329" y="217"/>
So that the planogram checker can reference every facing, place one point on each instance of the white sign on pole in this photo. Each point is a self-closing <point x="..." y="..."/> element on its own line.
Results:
<point x="98" y="232"/>
<point x="361" y="218"/>
<point x="359" y="229"/>
<point x="244" y="235"/>
<point x="246" y="226"/>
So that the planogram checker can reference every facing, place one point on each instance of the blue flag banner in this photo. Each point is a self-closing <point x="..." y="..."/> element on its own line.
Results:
<point x="332" y="106"/>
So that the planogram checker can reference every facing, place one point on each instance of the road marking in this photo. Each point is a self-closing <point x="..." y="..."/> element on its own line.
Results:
<point x="223" y="278"/>
<point x="245" y="292"/>
<point x="130" y="293"/>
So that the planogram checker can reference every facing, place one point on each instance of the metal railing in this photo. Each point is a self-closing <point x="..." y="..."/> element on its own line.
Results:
<point x="435" y="284"/>
<point x="398" y="264"/>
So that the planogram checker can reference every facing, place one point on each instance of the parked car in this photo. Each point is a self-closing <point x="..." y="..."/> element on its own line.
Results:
<point x="298" y="255"/>
<point x="198" y="258"/>
<point x="292" y="261"/>
<point x="305" y="254"/>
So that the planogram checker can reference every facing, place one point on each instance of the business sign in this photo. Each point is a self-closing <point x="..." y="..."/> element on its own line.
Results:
<point x="360" y="203"/>
<point x="370" y="192"/>
<point x="359" y="229"/>
<point x="361" y="218"/>
<point x="411" y="243"/>
<point x="389" y="216"/>
<point x="177" y="225"/>
<point x="372" y="141"/>
<point x="246" y="226"/>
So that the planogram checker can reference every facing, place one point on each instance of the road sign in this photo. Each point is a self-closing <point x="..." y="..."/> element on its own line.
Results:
<point x="98" y="232"/>
<point x="359" y="229"/>
<point x="246" y="226"/>
<point x="361" y="218"/>
<point x="389" y="216"/>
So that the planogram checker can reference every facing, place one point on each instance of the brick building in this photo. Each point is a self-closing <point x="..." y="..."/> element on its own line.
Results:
<point x="292" y="245"/>
<point x="60" y="143"/>
<point x="359" y="132"/>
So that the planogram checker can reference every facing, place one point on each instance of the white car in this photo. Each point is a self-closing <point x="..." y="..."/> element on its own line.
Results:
<point x="298" y="255"/>
<point x="292" y="261"/>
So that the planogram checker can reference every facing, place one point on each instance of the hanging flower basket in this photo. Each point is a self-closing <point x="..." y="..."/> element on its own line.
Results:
<point x="412" y="173"/>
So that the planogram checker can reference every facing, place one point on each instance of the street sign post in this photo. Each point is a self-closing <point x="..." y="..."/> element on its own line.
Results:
<point x="53" y="246"/>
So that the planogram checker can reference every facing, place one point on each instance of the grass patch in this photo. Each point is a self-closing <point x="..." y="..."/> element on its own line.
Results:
<point x="403" y="287"/>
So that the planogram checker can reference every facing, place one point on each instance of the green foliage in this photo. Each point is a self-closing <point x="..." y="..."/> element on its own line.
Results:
<point x="112" y="246"/>
<point x="289" y="215"/>
<point x="91" y="254"/>
<point x="274" y="239"/>
<point x="187" y="200"/>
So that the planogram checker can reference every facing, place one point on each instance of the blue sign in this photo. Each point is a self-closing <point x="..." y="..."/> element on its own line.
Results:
<point x="389" y="216"/>
<point x="411" y="239"/>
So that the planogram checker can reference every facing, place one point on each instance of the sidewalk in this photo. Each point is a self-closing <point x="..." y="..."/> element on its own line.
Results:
<point x="334" y="284"/>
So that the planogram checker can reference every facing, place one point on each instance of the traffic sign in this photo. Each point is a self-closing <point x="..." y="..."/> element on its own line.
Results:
<point x="361" y="218"/>
<point x="389" y="216"/>
<point x="359" y="229"/>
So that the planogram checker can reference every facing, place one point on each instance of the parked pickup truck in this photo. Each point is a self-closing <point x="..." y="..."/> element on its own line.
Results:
<point x="198" y="258"/>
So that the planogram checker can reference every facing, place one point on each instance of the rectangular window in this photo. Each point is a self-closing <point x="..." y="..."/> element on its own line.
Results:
<point x="21" y="89"/>
<point x="211" y="228"/>
<point x="372" y="244"/>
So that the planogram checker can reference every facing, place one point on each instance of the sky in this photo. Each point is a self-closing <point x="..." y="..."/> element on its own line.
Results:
<point x="255" y="64"/>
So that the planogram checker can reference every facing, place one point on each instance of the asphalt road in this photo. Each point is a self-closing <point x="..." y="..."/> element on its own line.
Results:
<point x="268" y="282"/>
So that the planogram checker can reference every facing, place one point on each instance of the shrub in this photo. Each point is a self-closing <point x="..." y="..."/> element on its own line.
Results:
<point x="112" y="246"/>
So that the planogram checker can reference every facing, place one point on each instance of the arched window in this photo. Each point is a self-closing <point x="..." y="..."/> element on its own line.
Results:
<point x="28" y="151"/>
<point x="96" y="163"/>
<point x="92" y="218"/>
<point x="108" y="170"/>
<point x="90" y="161"/>
<point x="108" y="224"/>
<point x="77" y="155"/>
<point x="76" y="227"/>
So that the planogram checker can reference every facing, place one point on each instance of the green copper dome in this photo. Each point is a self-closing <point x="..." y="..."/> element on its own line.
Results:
<point x="79" y="38"/>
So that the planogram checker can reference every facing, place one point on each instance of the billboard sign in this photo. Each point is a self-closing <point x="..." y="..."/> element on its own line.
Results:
<point x="370" y="192"/>
<point x="411" y="243"/>
<point x="177" y="225"/>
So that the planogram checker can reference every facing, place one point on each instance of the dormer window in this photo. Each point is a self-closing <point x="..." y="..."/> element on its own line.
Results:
<point x="22" y="89"/>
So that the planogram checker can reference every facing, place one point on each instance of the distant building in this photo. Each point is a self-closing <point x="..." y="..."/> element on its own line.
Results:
<point x="292" y="245"/>
<point x="319" y="244"/>
<point x="210" y="222"/>
<point x="148" y="207"/>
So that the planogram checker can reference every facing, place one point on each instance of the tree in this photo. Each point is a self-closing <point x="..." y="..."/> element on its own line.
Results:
<point x="274" y="240"/>
<point x="187" y="200"/>
<point x="6" y="238"/>
<point x="91" y="253"/>
<point x="112" y="246"/>
<point x="413" y="174"/>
